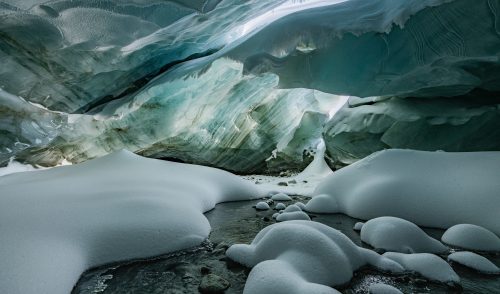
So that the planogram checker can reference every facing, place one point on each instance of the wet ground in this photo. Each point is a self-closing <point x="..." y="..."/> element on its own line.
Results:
<point x="238" y="222"/>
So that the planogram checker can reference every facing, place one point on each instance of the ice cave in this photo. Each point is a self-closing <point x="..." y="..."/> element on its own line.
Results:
<point x="249" y="146"/>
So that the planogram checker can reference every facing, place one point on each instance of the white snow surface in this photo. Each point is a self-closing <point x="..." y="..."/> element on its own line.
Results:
<point x="297" y="257"/>
<point x="292" y="208"/>
<point x="380" y="288"/>
<point x="358" y="226"/>
<point x="56" y="223"/>
<point x="430" y="266"/>
<point x="474" y="261"/>
<point x="293" y="215"/>
<point x="15" y="167"/>
<point x="396" y="234"/>
<point x="281" y="197"/>
<point x="433" y="189"/>
<point x="262" y="206"/>
<point x="280" y="206"/>
<point x="472" y="237"/>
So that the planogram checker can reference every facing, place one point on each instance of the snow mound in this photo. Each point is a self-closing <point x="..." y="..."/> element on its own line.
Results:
<point x="281" y="197"/>
<point x="396" y="234"/>
<point x="322" y="203"/>
<point x="292" y="208"/>
<point x="432" y="189"/>
<point x="474" y="261"/>
<point x="59" y="222"/>
<point x="297" y="257"/>
<point x="280" y="206"/>
<point x="275" y="215"/>
<point x="262" y="206"/>
<point x="471" y="237"/>
<point x="358" y="226"/>
<point x="301" y="205"/>
<point x="380" y="288"/>
<point x="294" y="215"/>
<point x="428" y="265"/>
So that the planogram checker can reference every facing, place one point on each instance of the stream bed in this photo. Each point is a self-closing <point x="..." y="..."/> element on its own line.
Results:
<point x="239" y="222"/>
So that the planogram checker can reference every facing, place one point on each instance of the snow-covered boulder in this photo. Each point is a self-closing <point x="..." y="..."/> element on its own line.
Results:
<point x="428" y="265"/>
<point x="472" y="237"/>
<point x="432" y="189"/>
<point x="301" y="205"/>
<point x="280" y="206"/>
<point x="294" y="215"/>
<point x="358" y="226"/>
<point x="396" y="234"/>
<point x="474" y="261"/>
<point x="59" y="222"/>
<point x="292" y="208"/>
<point x="262" y="206"/>
<point x="297" y="257"/>
<point x="281" y="197"/>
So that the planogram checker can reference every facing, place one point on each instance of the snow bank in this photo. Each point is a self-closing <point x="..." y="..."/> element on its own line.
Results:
<point x="380" y="288"/>
<point x="57" y="223"/>
<point x="474" y="261"/>
<point x="434" y="189"/>
<point x="428" y="265"/>
<point x="297" y="257"/>
<point x="396" y="234"/>
<point x="15" y="167"/>
<point x="472" y="237"/>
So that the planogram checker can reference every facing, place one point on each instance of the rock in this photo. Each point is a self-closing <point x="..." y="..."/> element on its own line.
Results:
<point x="205" y="270"/>
<point x="282" y="184"/>
<point x="292" y="182"/>
<point x="213" y="284"/>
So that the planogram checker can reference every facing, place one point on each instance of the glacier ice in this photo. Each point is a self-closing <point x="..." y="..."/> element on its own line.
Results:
<point x="129" y="49"/>
<point x="220" y="118"/>
<point x="364" y="126"/>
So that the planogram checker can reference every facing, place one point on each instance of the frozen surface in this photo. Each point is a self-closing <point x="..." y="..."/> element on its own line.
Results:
<point x="428" y="265"/>
<point x="433" y="189"/>
<point x="15" y="167"/>
<point x="301" y="257"/>
<point x="471" y="237"/>
<point x="281" y="197"/>
<point x="474" y="261"/>
<point x="292" y="215"/>
<point x="358" y="226"/>
<point x="364" y="126"/>
<point x="280" y="206"/>
<point x="396" y="234"/>
<point x="380" y="288"/>
<point x="262" y="206"/>
<point x="56" y="223"/>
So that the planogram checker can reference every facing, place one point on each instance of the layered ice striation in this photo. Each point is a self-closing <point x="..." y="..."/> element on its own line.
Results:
<point x="235" y="84"/>
<point x="220" y="117"/>
<point x="363" y="126"/>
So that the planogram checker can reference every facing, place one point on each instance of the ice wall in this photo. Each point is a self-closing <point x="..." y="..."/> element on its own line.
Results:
<point x="236" y="84"/>
<point x="220" y="117"/>
<point x="458" y="124"/>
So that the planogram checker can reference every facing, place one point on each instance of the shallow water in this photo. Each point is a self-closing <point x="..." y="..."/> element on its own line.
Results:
<point x="238" y="222"/>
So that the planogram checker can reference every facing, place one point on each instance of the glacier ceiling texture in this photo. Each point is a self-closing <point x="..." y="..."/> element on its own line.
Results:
<point x="248" y="86"/>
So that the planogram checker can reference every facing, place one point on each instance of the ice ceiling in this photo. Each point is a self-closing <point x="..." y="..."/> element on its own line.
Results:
<point x="248" y="86"/>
